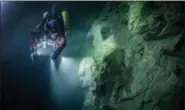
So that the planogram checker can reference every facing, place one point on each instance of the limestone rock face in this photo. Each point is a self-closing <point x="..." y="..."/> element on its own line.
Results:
<point x="128" y="68"/>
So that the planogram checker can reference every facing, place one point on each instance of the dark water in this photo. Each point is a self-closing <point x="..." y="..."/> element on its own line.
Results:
<point x="27" y="86"/>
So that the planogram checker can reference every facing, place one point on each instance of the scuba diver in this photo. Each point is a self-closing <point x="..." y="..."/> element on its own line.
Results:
<point x="51" y="23"/>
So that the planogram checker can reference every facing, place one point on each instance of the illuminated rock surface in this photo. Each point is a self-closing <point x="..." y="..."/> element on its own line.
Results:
<point x="126" y="67"/>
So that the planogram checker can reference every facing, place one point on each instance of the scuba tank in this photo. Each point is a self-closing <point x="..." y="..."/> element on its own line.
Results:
<point x="64" y="14"/>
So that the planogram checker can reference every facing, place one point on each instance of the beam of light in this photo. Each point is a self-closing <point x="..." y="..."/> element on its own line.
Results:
<point x="52" y="67"/>
<point x="38" y="53"/>
<point x="64" y="78"/>
<point x="55" y="80"/>
<point x="68" y="68"/>
<point x="54" y="83"/>
<point x="6" y="7"/>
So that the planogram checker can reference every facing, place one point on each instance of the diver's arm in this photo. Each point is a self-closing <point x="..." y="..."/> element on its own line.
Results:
<point x="33" y="35"/>
<point x="38" y="26"/>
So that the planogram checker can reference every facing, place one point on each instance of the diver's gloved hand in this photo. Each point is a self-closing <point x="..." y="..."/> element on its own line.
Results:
<point x="54" y="56"/>
<point x="36" y="29"/>
<point x="34" y="56"/>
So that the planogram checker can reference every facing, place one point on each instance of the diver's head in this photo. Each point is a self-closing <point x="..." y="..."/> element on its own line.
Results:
<point x="45" y="15"/>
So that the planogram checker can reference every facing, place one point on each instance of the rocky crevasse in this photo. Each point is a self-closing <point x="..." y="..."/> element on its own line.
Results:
<point x="125" y="67"/>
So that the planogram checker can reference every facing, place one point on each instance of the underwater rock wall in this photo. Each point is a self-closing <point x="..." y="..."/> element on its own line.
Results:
<point x="131" y="64"/>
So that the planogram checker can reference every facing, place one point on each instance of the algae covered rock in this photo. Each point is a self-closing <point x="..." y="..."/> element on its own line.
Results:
<point x="127" y="69"/>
